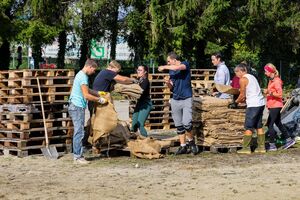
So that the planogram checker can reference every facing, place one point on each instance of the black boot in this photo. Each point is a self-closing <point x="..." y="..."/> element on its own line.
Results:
<point x="181" y="150"/>
<point x="194" y="148"/>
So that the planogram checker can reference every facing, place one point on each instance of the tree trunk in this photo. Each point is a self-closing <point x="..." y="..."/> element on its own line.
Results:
<point x="200" y="58"/>
<point x="37" y="55"/>
<point x="84" y="52"/>
<point x="62" y="40"/>
<point x="114" y="32"/>
<point x="4" y="55"/>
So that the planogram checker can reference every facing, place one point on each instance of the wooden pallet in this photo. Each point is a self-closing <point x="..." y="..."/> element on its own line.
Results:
<point x="27" y="117"/>
<point x="36" y="123"/>
<point x="33" y="91"/>
<point x="58" y="97"/>
<point x="230" y="148"/>
<point x="33" y="133"/>
<point x="34" y="150"/>
<point x="6" y="74"/>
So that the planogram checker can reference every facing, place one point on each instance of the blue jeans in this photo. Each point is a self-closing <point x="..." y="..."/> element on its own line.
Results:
<point x="77" y="115"/>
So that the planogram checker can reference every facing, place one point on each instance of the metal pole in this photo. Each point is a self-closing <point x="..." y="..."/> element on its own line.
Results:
<point x="152" y="65"/>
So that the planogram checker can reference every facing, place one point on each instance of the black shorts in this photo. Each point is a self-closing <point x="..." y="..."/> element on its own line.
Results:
<point x="253" y="119"/>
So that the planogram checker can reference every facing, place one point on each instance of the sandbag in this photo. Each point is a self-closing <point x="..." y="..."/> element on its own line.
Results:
<point x="227" y="89"/>
<point x="148" y="148"/>
<point x="131" y="90"/>
<point x="103" y="121"/>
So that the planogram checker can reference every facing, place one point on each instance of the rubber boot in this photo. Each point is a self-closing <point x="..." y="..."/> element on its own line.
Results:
<point x="260" y="144"/>
<point x="246" y="145"/>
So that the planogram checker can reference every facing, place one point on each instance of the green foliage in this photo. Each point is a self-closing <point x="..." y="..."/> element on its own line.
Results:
<point x="241" y="52"/>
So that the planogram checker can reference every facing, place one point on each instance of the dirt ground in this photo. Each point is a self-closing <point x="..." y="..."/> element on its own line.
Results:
<point x="205" y="176"/>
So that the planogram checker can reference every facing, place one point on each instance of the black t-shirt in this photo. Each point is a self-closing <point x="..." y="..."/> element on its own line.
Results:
<point x="104" y="80"/>
<point x="145" y="85"/>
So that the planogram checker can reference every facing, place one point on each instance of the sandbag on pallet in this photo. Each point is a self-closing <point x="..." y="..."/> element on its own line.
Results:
<point x="215" y="123"/>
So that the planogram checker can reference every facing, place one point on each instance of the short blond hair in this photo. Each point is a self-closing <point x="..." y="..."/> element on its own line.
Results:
<point x="114" y="64"/>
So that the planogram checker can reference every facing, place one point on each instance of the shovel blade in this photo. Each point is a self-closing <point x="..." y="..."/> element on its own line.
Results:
<point x="50" y="152"/>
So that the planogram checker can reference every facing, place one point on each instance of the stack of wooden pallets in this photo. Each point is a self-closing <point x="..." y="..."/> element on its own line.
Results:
<point x="160" y="117"/>
<point x="21" y="127"/>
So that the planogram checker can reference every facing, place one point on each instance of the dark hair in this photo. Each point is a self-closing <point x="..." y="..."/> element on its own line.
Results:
<point x="173" y="55"/>
<point x="218" y="55"/>
<point x="91" y="63"/>
<point x="146" y="68"/>
<point x="242" y="66"/>
<point x="19" y="49"/>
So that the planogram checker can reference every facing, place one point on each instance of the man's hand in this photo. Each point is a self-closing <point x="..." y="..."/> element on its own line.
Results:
<point x="161" y="68"/>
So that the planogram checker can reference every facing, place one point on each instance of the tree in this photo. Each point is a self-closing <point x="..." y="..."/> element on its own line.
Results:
<point x="10" y="25"/>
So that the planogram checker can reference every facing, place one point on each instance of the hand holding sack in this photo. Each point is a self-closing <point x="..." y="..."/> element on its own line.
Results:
<point x="131" y="91"/>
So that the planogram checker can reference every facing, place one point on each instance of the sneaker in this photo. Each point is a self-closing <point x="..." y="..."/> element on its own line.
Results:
<point x="181" y="150"/>
<point x="81" y="161"/>
<point x="260" y="150"/>
<point x="194" y="148"/>
<point x="244" y="151"/>
<point x="289" y="142"/>
<point x="272" y="147"/>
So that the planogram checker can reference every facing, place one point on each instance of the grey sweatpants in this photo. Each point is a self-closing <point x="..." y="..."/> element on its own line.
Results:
<point x="182" y="114"/>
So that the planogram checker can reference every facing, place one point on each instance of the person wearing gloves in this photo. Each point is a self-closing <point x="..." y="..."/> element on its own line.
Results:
<point x="77" y="103"/>
<point x="275" y="104"/>
<point x="222" y="75"/>
<point x="144" y="104"/>
<point x="251" y="93"/>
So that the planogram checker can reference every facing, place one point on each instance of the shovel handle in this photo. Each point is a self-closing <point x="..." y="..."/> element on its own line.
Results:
<point x="43" y="112"/>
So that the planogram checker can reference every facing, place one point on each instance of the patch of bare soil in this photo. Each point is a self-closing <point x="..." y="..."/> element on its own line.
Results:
<point x="205" y="176"/>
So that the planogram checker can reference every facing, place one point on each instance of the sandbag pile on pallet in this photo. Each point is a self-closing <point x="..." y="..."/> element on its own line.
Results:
<point x="21" y="127"/>
<point x="215" y="124"/>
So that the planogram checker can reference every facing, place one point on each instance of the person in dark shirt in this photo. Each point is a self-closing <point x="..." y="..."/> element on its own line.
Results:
<point x="181" y="103"/>
<point x="107" y="77"/>
<point x="144" y="104"/>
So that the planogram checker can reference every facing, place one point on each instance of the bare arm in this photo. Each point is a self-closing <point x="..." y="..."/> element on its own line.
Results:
<point x="93" y="92"/>
<point x="172" y="67"/>
<point x="124" y="79"/>
<point x="169" y="83"/>
<point x="243" y="84"/>
<point x="85" y="91"/>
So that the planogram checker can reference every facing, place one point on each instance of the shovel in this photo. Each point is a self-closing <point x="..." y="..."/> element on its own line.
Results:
<point x="49" y="152"/>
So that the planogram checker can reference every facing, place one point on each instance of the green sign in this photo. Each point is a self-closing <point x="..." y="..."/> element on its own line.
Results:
<point x="97" y="52"/>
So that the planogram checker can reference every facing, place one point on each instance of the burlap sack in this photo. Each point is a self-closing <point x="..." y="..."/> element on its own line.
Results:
<point x="103" y="121"/>
<point x="227" y="89"/>
<point x="148" y="148"/>
<point x="131" y="90"/>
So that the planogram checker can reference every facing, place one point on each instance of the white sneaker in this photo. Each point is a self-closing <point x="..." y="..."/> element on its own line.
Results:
<point x="81" y="161"/>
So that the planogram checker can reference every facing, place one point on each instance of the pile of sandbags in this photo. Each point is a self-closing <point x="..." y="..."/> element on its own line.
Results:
<point x="132" y="91"/>
<point x="216" y="124"/>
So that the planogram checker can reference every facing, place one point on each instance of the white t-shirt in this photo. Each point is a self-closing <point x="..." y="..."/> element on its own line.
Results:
<point x="254" y="97"/>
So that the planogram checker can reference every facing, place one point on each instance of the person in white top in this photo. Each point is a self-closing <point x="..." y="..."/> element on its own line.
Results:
<point x="250" y="92"/>
<point x="222" y="75"/>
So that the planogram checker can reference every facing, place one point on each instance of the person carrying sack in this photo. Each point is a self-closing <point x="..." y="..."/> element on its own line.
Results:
<point x="104" y="120"/>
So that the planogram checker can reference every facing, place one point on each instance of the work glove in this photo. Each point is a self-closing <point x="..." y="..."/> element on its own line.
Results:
<point x="102" y="100"/>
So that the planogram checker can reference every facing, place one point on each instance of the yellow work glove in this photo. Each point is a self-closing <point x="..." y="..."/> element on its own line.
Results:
<point x="102" y="93"/>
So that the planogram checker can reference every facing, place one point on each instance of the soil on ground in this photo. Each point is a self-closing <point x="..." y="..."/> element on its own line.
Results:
<point x="204" y="176"/>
